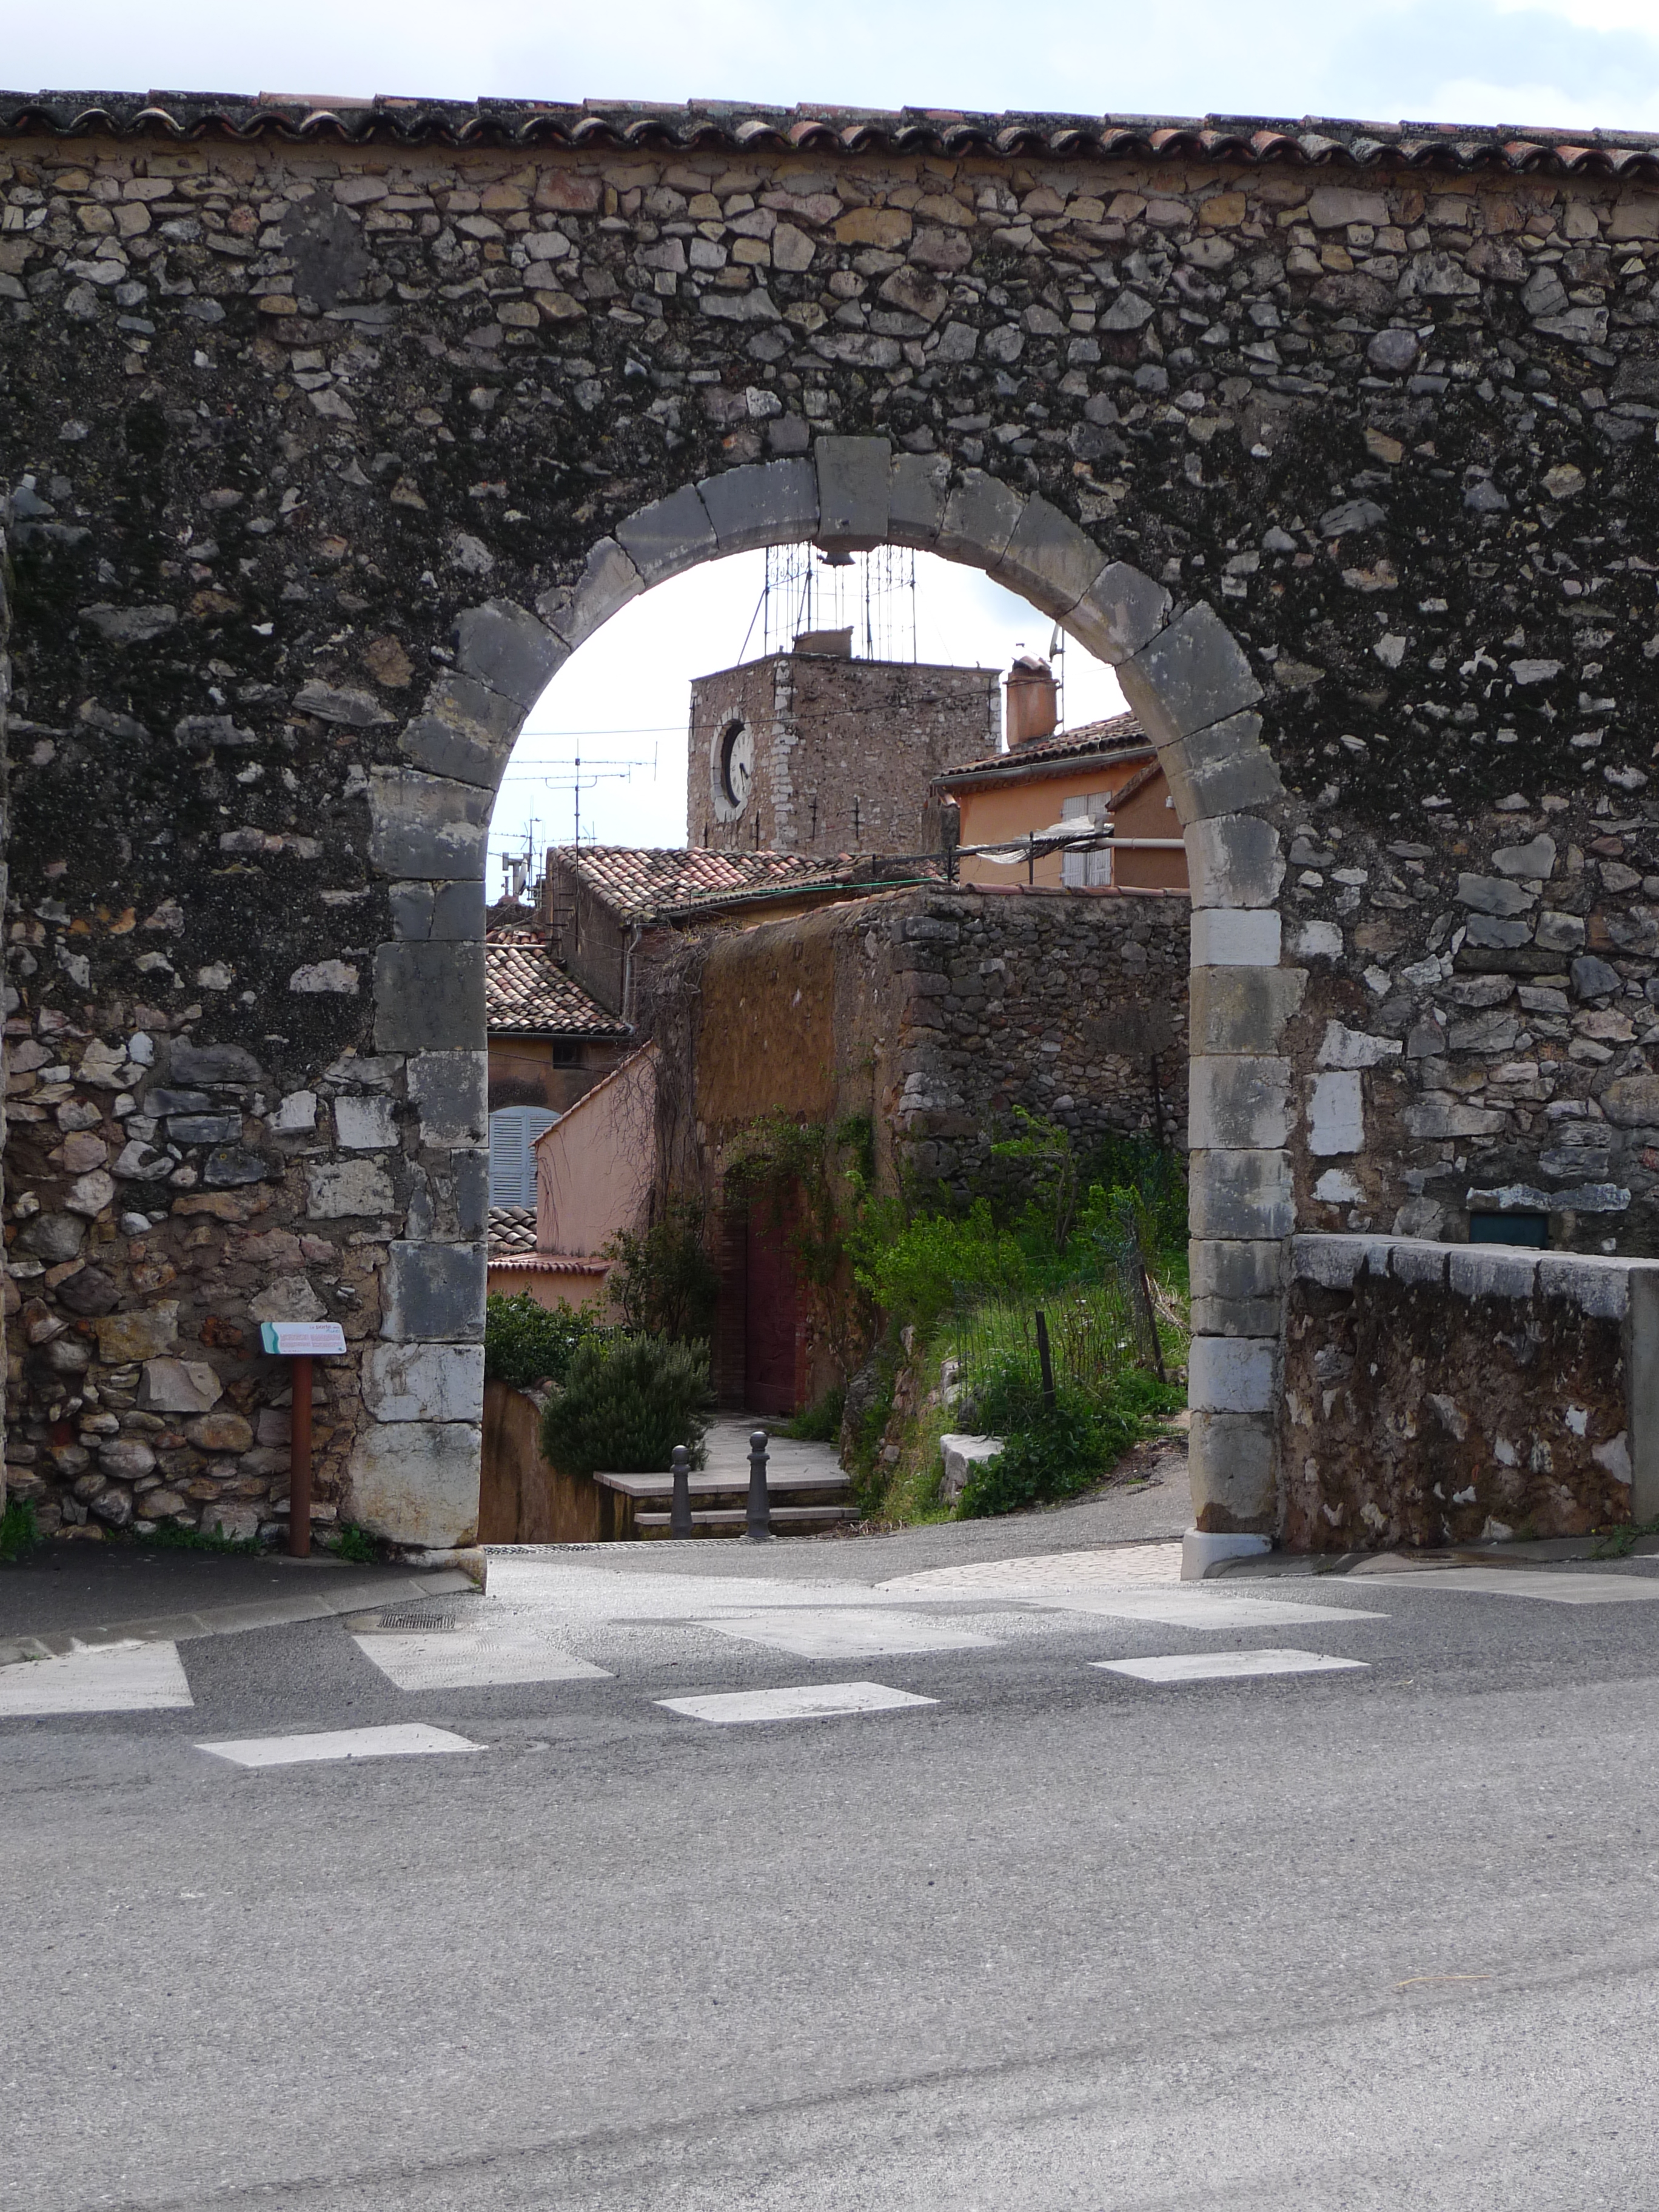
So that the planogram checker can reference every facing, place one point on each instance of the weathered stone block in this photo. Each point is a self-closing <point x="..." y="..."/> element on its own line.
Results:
<point x="1599" y="1287"/>
<point x="424" y="1382"/>
<point x="179" y="1386"/>
<point x="1238" y="1104"/>
<point x="341" y="1190"/>
<point x="853" y="478"/>
<point x="1241" y="1194"/>
<point x="416" y="1482"/>
<point x="428" y="998"/>
<point x="435" y="1293"/>
<point x="1235" y="937"/>
<point x="918" y="486"/>
<point x="506" y="647"/>
<point x="1233" y="1463"/>
<point x="770" y="503"/>
<point x="465" y="731"/>
<point x="608" y="581"/>
<point x="1336" y="1114"/>
<point x="1417" y="1262"/>
<point x="141" y="1335"/>
<point x="1047" y="560"/>
<point x="1442" y="1114"/>
<point x="1120" y="612"/>
<point x="366" y="1125"/>
<point x="1335" y="1262"/>
<point x="452" y="1090"/>
<point x="1234" y="861"/>
<point x="1243" y="1010"/>
<point x="212" y="1064"/>
<point x="668" y="537"/>
<point x="1222" y="770"/>
<point x="219" y="1433"/>
<point x="1232" y="1375"/>
<point x="1231" y="1269"/>
<point x="427" y="825"/>
<point x="1491" y="1271"/>
<point x="979" y="519"/>
<point x="1188" y="675"/>
<point x="1236" y="1316"/>
<point x="288" y="1297"/>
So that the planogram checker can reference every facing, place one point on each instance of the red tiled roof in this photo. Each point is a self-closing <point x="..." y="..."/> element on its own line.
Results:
<point x="1119" y="733"/>
<point x="1311" y="143"/>
<point x="644" y="884"/>
<point x="550" y="1263"/>
<point x="527" y="992"/>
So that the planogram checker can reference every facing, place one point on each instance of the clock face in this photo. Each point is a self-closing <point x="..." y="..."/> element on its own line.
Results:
<point x="738" y="765"/>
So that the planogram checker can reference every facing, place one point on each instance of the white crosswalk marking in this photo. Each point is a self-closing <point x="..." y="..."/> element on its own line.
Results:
<point x="1226" y="1666"/>
<point x="819" y="1701"/>
<point x="130" y="1677"/>
<point x="1195" y="1605"/>
<point x="1112" y="1567"/>
<point x="847" y="1632"/>
<point x="488" y="1657"/>
<point x="411" y="1740"/>
<point x="1549" y="1584"/>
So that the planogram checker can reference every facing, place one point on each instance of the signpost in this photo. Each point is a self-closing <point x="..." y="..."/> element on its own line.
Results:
<point x="301" y="1341"/>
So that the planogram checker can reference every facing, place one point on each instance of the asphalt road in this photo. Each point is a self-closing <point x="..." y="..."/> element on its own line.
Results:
<point x="1061" y="1938"/>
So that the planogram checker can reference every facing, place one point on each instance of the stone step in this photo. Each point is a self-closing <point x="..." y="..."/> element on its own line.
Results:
<point x="830" y="1482"/>
<point x="786" y="1520"/>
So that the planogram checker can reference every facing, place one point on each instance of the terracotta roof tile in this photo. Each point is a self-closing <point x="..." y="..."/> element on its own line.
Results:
<point x="1308" y="143"/>
<point x="644" y="884"/>
<point x="512" y="1231"/>
<point x="1119" y="733"/>
<point x="527" y="992"/>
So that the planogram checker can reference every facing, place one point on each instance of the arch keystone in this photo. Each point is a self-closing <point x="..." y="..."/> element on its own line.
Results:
<point x="853" y="477"/>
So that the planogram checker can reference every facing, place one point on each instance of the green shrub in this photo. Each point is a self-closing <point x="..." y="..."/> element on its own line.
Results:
<point x="925" y="1268"/>
<point x="820" y="1422"/>
<point x="18" y="1530"/>
<point x="664" y="1282"/>
<point x="1053" y="1452"/>
<point x="527" y="1343"/>
<point x="626" y="1403"/>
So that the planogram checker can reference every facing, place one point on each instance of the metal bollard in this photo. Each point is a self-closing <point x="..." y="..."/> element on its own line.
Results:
<point x="679" y="1518"/>
<point x="759" y="1530"/>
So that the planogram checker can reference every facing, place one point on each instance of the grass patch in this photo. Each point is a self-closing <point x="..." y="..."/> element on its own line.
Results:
<point x="354" y="1544"/>
<point x="818" y="1423"/>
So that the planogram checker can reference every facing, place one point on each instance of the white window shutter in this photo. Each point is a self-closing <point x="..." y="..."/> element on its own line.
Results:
<point x="512" y="1134"/>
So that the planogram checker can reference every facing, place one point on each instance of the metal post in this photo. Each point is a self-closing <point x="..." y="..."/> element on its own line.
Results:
<point x="1045" y="1362"/>
<point x="759" y="1530"/>
<point x="299" y="1462"/>
<point x="679" y="1518"/>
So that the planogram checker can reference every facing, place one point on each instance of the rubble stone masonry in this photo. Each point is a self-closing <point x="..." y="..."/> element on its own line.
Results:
<point x="329" y="438"/>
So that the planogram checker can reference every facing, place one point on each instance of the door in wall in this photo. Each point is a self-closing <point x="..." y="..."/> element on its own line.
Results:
<point x="772" y="1310"/>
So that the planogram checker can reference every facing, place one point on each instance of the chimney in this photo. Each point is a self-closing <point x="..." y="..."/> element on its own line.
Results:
<point x="1033" y="707"/>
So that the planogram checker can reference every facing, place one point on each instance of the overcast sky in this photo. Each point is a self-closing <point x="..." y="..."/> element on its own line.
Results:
<point x="1577" y="63"/>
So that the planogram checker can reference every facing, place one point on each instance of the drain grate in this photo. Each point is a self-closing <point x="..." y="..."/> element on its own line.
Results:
<point x="423" y="1618"/>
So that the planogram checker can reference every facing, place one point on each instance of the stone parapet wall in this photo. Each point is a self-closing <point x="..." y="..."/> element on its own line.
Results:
<point x="1437" y="1393"/>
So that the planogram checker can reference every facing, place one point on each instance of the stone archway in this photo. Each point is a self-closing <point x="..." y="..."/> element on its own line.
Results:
<point x="1184" y="675"/>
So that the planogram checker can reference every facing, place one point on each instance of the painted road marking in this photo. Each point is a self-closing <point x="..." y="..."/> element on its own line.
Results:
<point x="474" y="1658"/>
<point x="847" y="1632"/>
<point x="1227" y="1666"/>
<point x="1191" y="1605"/>
<point x="819" y="1701"/>
<point x="1111" y="1567"/>
<point x="412" y="1740"/>
<point x="105" y="1678"/>
<point x="1554" y="1587"/>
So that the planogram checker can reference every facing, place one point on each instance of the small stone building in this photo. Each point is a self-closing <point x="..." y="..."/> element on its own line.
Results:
<point x="813" y="751"/>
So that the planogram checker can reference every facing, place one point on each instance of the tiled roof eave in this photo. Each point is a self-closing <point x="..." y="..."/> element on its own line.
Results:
<point x="1008" y="768"/>
<point x="1312" y="142"/>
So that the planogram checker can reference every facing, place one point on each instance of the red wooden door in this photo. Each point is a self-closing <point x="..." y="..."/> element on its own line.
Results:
<point x="771" y="1310"/>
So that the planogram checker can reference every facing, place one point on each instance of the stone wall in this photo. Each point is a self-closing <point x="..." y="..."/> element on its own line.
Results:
<point x="844" y="750"/>
<point x="1449" y="1393"/>
<point x="332" y="437"/>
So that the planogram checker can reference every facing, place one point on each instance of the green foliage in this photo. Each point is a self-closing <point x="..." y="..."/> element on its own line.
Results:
<point x="354" y="1544"/>
<point x="527" y="1343"/>
<point x="819" y="1424"/>
<point x="817" y="1182"/>
<point x="664" y="1280"/>
<point x="933" y="1264"/>
<point x="626" y="1403"/>
<point x="1053" y="1452"/>
<point x="1046" y="1172"/>
<point x="19" y="1531"/>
